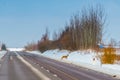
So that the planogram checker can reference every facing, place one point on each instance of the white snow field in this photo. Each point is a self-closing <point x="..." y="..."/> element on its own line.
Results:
<point x="87" y="59"/>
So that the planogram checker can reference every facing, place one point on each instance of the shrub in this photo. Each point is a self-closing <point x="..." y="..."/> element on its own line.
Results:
<point x="109" y="55"/>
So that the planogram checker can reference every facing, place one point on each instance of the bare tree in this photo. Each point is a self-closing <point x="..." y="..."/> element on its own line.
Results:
<point x="84" y="31"/>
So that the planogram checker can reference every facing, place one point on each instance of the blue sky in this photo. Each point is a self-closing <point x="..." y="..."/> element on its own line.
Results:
<point x="23" y="21"/>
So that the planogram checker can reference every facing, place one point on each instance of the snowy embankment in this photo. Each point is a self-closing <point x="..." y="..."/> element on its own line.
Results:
<point x="87" y="59"/>
<point x="2" y="53"/>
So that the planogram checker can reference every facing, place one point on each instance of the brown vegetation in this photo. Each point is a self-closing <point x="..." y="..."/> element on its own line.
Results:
<point x="109" y="55"/>
<point x="118" y="57"/>
<point x="31" y="46"/>
<point x="83" y="32"/>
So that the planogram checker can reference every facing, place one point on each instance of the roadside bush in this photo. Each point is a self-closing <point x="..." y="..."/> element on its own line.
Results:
<point x="31" y="46"/>
<point x="109" y="55"/>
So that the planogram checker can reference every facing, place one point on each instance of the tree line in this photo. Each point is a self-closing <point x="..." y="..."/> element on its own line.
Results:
<point x="84" y="31"/>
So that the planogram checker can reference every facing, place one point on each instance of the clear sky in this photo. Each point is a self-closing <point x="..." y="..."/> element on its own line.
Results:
<point x="23" y="21"/>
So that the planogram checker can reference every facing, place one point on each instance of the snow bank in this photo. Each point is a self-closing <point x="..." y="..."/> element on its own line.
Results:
<point x="112" y="66"/>
<point x="81" y="57"/>
<point x="55" y="54"/>
<point x="87" y="59"/>
<point x="2" y="53"/>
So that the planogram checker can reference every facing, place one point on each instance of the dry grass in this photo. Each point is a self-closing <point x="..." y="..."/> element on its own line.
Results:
<point x="118" y="57"/>
<point x="109" y="55"/>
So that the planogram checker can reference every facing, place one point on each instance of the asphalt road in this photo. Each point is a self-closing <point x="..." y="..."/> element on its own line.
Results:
<point x="12" y="68"/>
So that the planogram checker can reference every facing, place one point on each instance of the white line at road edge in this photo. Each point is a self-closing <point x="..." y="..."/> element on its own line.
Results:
<point x="11" y="58"/>
<point x="36" y="71"/>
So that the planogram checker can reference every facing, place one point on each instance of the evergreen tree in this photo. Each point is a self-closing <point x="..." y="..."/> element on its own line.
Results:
<point x="3" y="47"/>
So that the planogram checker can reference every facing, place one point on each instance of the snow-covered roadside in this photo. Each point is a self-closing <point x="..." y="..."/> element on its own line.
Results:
<point x="2" y="53"/>
<point x="85" y="59"/>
